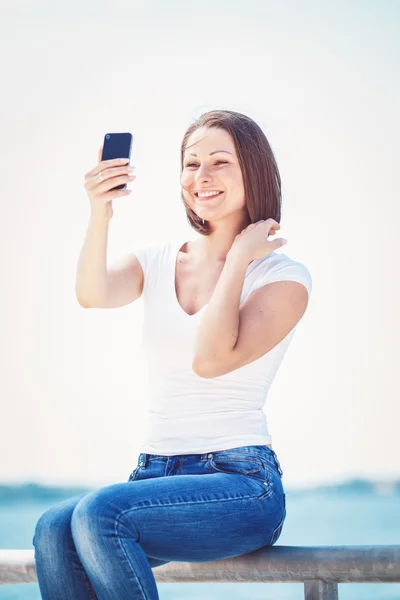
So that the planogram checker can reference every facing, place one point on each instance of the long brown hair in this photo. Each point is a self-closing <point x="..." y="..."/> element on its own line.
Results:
<point x="261" y="179"/>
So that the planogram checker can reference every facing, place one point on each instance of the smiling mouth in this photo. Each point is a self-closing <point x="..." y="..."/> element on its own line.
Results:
<point x="207" y="197"/>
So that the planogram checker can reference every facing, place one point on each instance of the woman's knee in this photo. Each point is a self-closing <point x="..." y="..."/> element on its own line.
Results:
<point x="84" y="513"/>
<point x="100" y="514"/>
<point x="54" y="525"/>
<point x="91" y="512"/>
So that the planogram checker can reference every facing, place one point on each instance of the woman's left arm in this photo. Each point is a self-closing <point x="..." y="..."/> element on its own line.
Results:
<point x="229" y="335"/>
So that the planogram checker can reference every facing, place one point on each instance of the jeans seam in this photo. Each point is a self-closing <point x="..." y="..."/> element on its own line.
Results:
<point x="120" y="541"/>
<point x="279" y="526"/>
<point x="90" y="588"/>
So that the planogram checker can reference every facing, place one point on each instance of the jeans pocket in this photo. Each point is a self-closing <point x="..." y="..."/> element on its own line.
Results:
<point x="241" y="464"/>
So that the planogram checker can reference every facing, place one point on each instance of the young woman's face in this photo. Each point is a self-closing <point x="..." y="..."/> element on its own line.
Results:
<point x="215" y="167"/>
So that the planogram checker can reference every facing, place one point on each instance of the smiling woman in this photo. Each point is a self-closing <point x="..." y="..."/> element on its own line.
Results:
<point x="220" y="313"/>
<point x="248" y="150"/>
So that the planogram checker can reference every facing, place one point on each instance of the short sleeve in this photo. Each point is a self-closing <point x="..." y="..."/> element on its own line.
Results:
<point x="280" y="267"/>
<point x="143" y="254"/>
<point x="146" y="255"/>
<point x="149" y="256"/>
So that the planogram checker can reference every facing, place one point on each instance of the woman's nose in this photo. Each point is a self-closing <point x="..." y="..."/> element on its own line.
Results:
<point x="202" y="172"/>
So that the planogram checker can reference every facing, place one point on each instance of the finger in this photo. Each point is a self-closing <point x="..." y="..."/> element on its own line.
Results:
<point x="115" y="177"/>
<point x="272" y="223"/>
<point x="112" y="162"/>
<point x="271" y="227"/>
<point x="100" y="154"/>
<point x="112" y="182"/>
<point x="104" y="164"/>
<point x="110" y="173"/>
<point x="273" y="230"/>
<point x="278" y="243"/>
<point x="118" y="193"/>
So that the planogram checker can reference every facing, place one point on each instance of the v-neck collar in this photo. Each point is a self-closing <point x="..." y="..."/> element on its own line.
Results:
<point x="175" y="246"/>
<point x="175" y="249"/>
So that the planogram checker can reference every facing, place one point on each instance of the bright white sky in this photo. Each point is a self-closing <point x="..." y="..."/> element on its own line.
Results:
<point x="322" y="82"/>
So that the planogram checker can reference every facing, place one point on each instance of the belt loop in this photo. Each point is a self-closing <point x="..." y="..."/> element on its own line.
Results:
<point x="278" y="466"/>
<point x="143" y="459"/>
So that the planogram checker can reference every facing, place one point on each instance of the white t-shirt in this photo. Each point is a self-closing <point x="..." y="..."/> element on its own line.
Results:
<point x="186" y="413"/>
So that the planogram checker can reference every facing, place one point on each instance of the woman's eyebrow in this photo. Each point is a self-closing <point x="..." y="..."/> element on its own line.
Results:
<point x="215" y="152"/>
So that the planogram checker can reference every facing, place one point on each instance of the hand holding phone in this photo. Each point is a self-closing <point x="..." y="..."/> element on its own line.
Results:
<point x="117" y="145"/>
<point x="108" y="179"/>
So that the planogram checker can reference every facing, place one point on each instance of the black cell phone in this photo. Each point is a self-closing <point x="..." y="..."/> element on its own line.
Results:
<point x="117" y="145"/>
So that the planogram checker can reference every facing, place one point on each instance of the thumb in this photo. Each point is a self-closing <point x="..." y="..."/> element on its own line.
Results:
<point x="278" y="243"/>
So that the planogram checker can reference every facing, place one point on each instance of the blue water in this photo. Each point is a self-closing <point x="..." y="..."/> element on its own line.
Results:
<point x="352" y="514"/>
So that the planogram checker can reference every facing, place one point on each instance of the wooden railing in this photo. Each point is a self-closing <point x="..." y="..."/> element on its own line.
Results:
<point x="321" y="568"/>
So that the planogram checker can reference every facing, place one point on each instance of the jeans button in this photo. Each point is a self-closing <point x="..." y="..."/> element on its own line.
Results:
<point x="209" y="456"/>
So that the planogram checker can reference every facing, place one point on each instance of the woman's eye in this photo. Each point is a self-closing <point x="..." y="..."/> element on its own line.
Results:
<point x="225" y="162"/>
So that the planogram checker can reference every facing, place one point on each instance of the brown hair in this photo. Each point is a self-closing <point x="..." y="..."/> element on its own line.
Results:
<point x="261" y="179"/>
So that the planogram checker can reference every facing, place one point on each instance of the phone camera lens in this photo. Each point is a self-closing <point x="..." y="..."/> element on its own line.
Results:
<point x="107" y="137"/>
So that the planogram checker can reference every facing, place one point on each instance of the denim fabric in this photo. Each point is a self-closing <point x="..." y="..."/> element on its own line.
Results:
<point x="104" y="544"/>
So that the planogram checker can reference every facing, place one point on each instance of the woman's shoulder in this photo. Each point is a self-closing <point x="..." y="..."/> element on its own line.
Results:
<point x="281" y="267"/>
<point x="150" y="250"/>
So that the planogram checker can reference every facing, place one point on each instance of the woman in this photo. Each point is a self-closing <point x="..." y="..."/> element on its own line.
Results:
<point x="220" y="312"/>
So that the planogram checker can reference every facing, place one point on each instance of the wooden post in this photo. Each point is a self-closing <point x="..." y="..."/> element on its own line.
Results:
<point x="320" y="590"/>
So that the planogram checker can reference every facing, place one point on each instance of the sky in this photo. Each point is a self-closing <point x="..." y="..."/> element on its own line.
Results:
<point x="321" y="79"/>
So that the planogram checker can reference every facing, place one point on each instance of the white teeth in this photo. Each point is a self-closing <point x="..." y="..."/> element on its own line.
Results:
<point x="207" y="194"/>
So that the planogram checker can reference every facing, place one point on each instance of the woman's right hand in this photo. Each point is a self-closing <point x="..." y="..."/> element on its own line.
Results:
<point x="100" y="181"/>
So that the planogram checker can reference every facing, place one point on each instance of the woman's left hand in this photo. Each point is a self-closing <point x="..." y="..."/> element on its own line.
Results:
<point x="252" y="242"/>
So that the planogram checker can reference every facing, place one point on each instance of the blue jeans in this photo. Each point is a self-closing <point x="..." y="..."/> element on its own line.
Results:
<point x="102" y="545"/>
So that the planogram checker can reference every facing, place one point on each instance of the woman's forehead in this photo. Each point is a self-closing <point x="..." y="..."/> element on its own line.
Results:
<point x="210" y="139"/>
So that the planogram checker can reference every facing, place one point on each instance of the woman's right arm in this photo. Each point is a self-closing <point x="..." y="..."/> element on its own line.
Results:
<point x="96" y="285"/>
